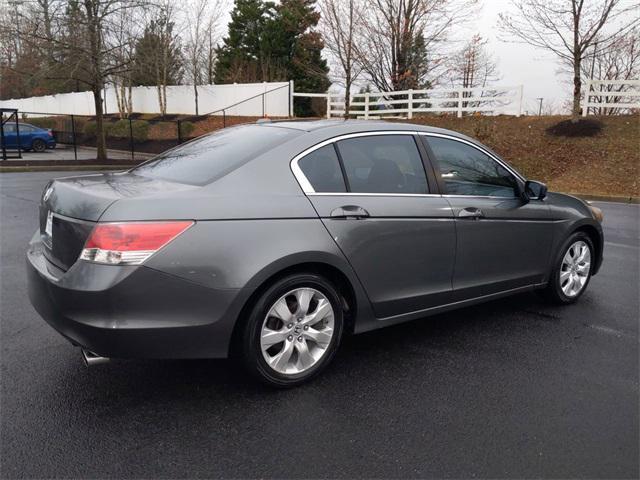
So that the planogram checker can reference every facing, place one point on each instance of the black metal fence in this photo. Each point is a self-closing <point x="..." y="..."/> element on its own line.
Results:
<point x="129" y="138"/>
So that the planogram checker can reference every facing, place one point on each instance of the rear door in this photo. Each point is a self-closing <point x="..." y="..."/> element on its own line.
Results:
<point x="503" y="242"/>
<point x="374" y="197"/>
<point x="26" y="133"/>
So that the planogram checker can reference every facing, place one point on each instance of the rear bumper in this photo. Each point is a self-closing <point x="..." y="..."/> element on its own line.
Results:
<point x="131" y="312"/>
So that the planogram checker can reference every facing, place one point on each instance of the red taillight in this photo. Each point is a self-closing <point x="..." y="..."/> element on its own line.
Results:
<point x="129" y="243"/>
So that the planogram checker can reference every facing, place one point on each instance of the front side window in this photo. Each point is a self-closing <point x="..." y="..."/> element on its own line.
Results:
<point x="383" y="164"/>
<point x="466" y="170"/>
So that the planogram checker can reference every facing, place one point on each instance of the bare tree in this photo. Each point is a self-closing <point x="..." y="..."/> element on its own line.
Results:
<point x="102" y="41"/>
<point x="27" y="55"/>
<point x="400" y="43"/>
<point x="163" y="53"/>
<point x="203" y="19"/>
<point x="10" y="51"/>
<point x="568" y="28"/>
<point x="473" y="65"/>
<point x="125" y="27"/>
<point x="340" y="25"/>
<point x="84" y="39"/>
<point x="212" y="43"/>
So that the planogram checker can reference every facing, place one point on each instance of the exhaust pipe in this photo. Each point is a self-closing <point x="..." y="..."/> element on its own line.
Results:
<point x="90" y="359"/>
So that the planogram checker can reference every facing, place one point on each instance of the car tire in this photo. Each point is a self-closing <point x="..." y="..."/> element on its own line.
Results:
<point x="38" y="145"/>
<point x="293" y="330"/>
<point x="570" y="276"/>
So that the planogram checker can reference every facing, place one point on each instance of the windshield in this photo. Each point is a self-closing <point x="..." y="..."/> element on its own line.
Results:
<point x="213" y="156"/>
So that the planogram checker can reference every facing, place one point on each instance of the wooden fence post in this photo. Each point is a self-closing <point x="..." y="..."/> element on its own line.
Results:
<point x="520" y="95"/>
<point x="328" y="105"/>
<point x="410" y="112"/>
<point x="460" y="93"/>
<point x="366" y="106"/>
<point x="291" y="91"/>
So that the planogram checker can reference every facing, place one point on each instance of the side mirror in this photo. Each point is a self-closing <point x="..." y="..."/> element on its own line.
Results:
<point x="534" y="190"/>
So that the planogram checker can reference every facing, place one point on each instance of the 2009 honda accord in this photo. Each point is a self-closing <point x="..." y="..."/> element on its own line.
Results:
<point x="275" y="240"/>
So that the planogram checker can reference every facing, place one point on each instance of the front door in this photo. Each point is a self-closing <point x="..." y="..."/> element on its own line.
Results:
<point x="372" y="194"/>
<point x="503" y="242"/>
<point x="10" y="136"/>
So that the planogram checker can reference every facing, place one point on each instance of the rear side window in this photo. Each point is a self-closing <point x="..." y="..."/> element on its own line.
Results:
<point x="211" y="157"/>
<point x="467" y="170"/>
<point x="383" y="164"/>
<point x="322" y="169"/>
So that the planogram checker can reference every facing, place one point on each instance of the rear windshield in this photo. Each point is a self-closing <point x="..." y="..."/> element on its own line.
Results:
<point x="213" y="156"/>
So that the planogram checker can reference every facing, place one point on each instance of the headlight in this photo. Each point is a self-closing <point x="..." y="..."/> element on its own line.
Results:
<point x="597" y="213"/>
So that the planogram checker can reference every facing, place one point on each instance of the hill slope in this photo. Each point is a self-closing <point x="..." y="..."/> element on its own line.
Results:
<point x="606" y="164"/>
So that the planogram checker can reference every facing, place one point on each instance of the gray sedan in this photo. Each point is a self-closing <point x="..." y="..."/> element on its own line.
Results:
<point x="272" y="241"/>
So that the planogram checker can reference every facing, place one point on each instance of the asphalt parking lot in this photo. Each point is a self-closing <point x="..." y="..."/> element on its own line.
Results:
<point x="511" y="388"/>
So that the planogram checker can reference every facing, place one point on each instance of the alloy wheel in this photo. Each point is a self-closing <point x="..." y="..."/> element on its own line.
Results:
<point x="38" y="145"/>
<point x="297" y="331"/>
<point x="575" y="269"/>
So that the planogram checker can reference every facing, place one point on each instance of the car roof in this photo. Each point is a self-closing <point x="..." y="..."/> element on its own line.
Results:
<point x="328" y="128"/>
<point x="325" y="129"/>
<point x="340" y="126"/>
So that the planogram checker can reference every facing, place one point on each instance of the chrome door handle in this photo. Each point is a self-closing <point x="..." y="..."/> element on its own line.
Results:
<point x="349" y="211"/>
<point x="472" y="213"/>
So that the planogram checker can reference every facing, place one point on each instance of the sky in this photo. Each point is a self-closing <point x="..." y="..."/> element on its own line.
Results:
<point x="521" y="64"/>
<point x="538" y="71"/>
<point x="518" y="64"/>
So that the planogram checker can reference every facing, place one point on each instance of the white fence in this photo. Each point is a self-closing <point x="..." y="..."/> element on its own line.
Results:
<point x="251" y="98"/>
<point x="406" y="103"/>
<point x="607" y="97"/>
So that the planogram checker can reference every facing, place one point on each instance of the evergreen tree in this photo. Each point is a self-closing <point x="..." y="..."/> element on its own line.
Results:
<point x="157" y="58"/>
<point x="306" y="67"/>
<point x="269" y="42"/>
<point x="417" y="65"/>
<point x="245" y="49"/>
<point x="73" y="32"/>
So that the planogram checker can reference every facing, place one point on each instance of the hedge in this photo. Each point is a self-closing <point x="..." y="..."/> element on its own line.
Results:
<point x="89" y="129"/>
<point x="42" y="122"/>
<point x="120" y="129"/>
<point x="186" y="129"/>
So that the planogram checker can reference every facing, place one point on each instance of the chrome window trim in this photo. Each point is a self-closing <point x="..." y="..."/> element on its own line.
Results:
<point x="356" y="194"/>
<point x="496" y="197"/>
<point x="488" y="154"/>
<point x="306" y="186"/>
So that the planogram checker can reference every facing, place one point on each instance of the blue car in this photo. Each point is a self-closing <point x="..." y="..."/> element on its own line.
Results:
<point x="31" y="137"/>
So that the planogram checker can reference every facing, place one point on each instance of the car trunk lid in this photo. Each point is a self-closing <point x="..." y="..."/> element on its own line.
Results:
<point x="70" y="208"/>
